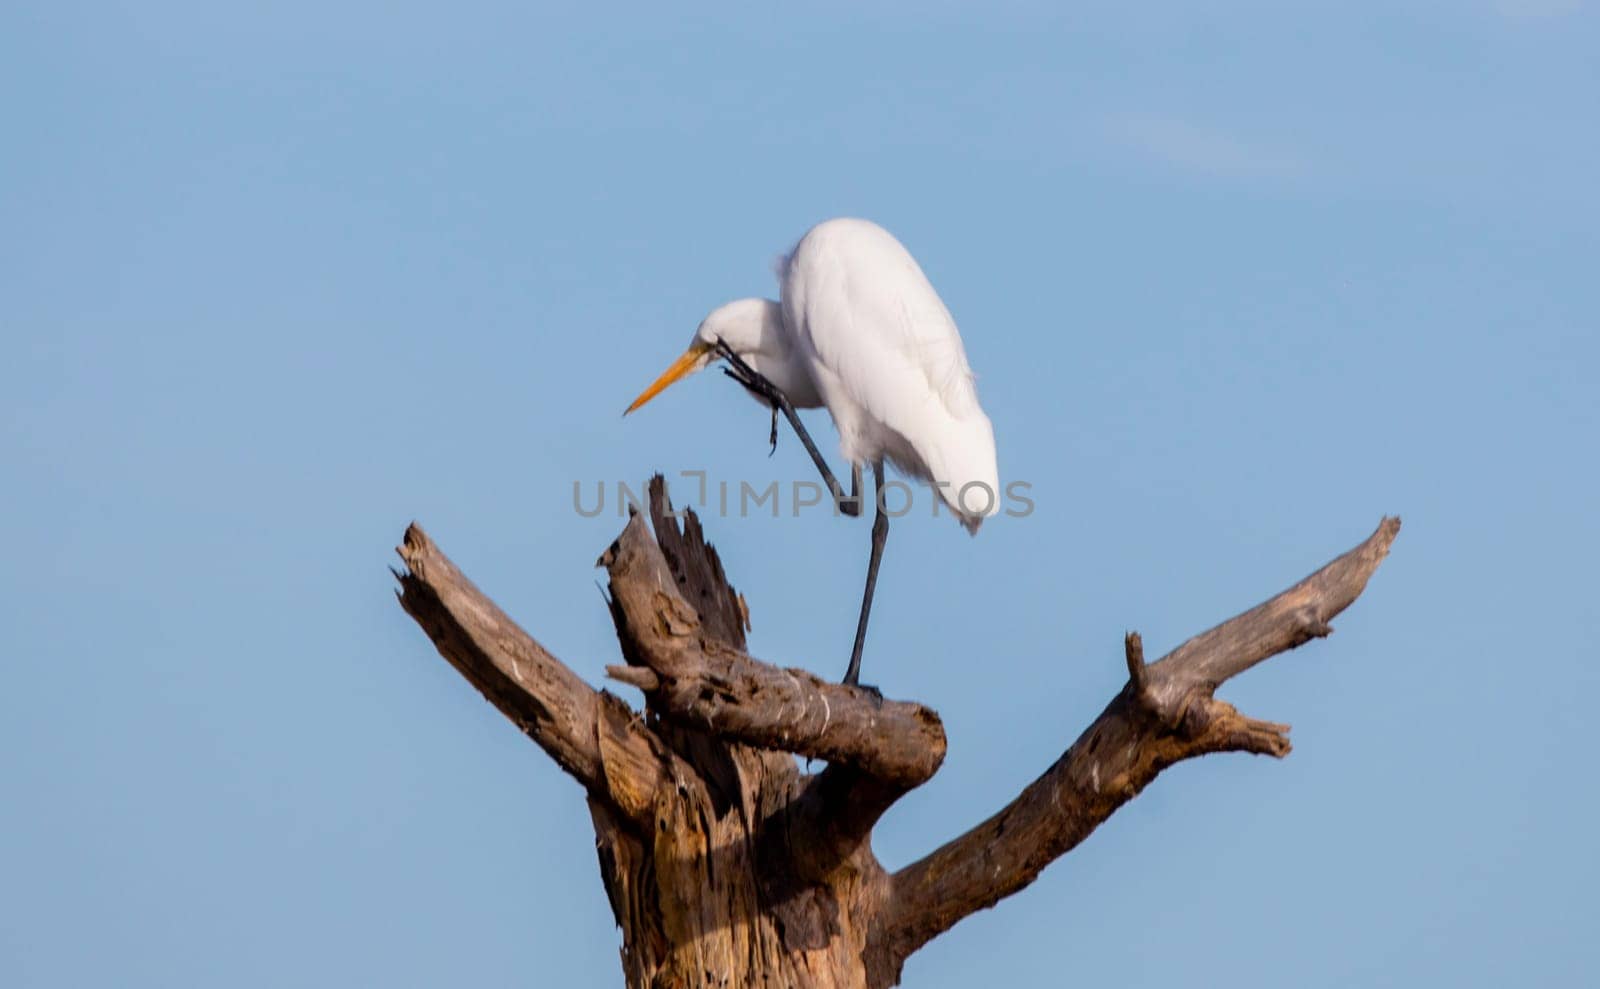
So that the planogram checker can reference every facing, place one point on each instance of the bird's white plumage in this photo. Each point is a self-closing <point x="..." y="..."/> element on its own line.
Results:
<point x="888" y="362"/>
<point x="859" y="329"/>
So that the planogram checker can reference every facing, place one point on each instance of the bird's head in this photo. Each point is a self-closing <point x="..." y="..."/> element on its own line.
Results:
<point x="748" y="326"/>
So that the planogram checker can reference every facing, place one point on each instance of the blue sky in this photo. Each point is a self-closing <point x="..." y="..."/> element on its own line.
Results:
<point x="276" y="279"/>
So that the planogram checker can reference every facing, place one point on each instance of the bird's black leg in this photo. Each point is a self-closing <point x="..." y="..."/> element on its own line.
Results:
<point x="880" y="535"/>
<point x="755" y="382"/>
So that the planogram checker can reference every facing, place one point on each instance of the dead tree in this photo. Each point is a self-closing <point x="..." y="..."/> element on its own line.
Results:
<point x="725" y="864"/>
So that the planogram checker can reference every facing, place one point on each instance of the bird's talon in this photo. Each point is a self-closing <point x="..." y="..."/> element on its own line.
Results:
<point x="873" y="693"/>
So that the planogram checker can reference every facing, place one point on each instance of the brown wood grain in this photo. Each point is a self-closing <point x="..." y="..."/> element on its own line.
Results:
<point x="726" y="864"/>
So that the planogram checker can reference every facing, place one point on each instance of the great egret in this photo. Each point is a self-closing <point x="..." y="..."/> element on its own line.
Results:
<point x="859" y="330"/>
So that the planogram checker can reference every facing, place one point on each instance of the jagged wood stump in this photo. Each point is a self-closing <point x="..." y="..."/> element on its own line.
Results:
<point x="725" y="864"/>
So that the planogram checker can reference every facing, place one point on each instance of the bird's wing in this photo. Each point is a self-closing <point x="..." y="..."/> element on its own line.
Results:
<point x="863" y="308"/>
<point x="870" y="316"/>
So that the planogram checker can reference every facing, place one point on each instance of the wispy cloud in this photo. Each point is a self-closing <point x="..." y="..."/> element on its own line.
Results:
<point x="1194" y="146"/>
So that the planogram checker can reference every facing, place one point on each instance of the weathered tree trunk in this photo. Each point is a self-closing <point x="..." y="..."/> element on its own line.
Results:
<point x="726" y="865"/>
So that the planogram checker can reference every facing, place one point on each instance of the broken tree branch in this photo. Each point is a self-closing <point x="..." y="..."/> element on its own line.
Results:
<point x="698" y="680"/>
<point x="721" y="859"/>
<point x="1291" y="619"/>
<point x="1164" y="715"/>
<point x="590" y="734"/>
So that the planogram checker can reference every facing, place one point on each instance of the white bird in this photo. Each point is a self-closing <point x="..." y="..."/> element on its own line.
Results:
<point x="859" y="329"/>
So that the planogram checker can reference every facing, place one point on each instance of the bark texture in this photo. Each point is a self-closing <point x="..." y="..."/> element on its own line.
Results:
<point x="725" y="864"/>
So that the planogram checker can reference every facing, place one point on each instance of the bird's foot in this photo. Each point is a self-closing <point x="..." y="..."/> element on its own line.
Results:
<point x="753" y="381"/>
<point x="873" y="693"/>
<point x="852" y="678"/>
<point x="748" y="376"/>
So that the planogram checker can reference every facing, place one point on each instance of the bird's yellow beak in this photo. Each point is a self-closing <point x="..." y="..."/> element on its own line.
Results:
<point x="688" y="363"/>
